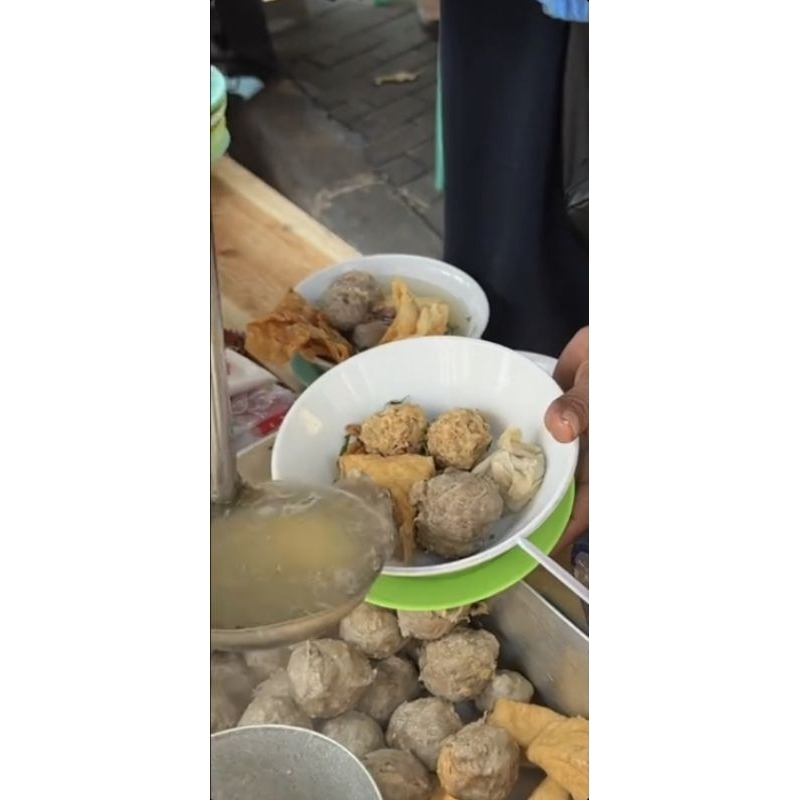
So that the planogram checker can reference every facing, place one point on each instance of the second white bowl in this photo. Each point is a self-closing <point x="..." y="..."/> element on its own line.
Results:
<point x="426" y="277"/>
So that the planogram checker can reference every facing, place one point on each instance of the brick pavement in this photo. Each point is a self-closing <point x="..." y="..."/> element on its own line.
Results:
<point x="335" y="57"/>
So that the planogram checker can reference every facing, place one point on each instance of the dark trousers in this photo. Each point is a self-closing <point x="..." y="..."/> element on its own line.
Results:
<point x="244" y="44"/>
<point x="502" y="67"/>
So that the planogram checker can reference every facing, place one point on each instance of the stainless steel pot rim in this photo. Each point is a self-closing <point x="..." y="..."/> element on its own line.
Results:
<point x="308" y="734"/>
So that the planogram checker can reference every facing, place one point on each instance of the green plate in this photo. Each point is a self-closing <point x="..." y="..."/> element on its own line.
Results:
<point x="436" y="592"/>
<point x="305" y="371"/>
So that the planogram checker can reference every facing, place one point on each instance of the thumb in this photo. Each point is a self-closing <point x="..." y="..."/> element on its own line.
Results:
<point x="568" y="416"/>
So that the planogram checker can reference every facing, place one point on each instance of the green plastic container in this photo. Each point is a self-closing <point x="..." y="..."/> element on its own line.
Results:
<point x="220" y="137"/>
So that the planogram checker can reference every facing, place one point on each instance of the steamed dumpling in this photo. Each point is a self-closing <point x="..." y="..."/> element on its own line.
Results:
<point x="515" y="467"/>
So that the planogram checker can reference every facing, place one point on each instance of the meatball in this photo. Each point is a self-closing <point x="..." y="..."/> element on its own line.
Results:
<point x="357" y="732"/>
<point x="229" y="672"/>
<point x="277" y="685"/>
<point x="399" y="775"/>
<point x="267" y="710"/>
<point x="508" y="685"/>
<point x="374" y="631"/>
<point x="421" y="726"/>
<point x="398" y="429"/>
<point x="414" y="650"/>
<point x="396" y="681"/>
<point x="431" y="625"/>
<point x="459" y="438"/>
<point x="479" y="763"/>
<point x="262" y="663"/>
<point x="455" y="512"/>
<point x="224" y="712"/>
<point x="459" y="666"/>
<point x="348" y="300"/>
<point x="328" y="677"/>
<point x="368" y="334"/>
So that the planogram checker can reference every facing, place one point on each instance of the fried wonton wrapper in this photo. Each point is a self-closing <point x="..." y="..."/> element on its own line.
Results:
<point x="524" y="721"/>
<point x="562" y="751"/>
<point x="295" y="327"/>
<point x="413" y="318"/>
<point x="396" y="474"/>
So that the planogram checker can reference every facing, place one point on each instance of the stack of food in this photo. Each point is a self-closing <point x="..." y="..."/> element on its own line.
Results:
<point x="446" y="492"/>
<point x="353" y="315"/>
<point x="418" y="696"/>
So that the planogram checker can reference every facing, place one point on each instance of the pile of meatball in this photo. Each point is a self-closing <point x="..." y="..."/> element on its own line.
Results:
<point x="401" y="691"/>
<point x="456" y="509"/>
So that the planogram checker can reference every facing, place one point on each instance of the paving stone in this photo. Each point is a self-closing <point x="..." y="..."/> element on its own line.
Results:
<point x="421" y="192"/>
<point x="404" y="33"/>
<point x="382" y="120"/>
<point x="338" y="77"/>
<point x="425" y="88"/>
<point x="345" y="19"/>
<point x="410" y="59"/>
<point x="350" y="46"/>
<point x="357" y="156"/>
<point x="363" y="88"/>
<point x="427" y="123"/>
<point x="425" y="153"/>
<point x="399" y="141"/>
<point x="402" y="170"/>
<point x="351" y="111"/>
<point x="367" y="212"/>
<point x="434" y="215"/>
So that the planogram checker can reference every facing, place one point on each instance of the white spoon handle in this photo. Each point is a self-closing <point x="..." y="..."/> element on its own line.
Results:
<point x="556" y="570"/>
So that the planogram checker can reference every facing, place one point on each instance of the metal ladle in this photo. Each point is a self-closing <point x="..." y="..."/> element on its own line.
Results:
<point x="229" y="496"/>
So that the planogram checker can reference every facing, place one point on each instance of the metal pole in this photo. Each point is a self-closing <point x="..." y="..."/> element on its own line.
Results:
<point x="224" y="480"/>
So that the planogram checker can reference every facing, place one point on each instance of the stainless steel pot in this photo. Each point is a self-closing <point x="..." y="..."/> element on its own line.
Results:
<point x="276" y="762"/>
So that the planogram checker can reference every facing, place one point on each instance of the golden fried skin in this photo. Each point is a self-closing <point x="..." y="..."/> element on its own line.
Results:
<point x="295" y="327"/>
<point x="459" y="438"/>
<point x="400" y="428"/>
<point x="397" y="474"/>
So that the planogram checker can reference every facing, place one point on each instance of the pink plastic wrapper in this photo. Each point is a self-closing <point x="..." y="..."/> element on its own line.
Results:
<point x="258" y="413"/>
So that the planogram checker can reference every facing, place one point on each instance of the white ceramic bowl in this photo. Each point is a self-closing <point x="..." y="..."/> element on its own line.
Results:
<point x="439" y="373"/>
<point x="425" y="277"/>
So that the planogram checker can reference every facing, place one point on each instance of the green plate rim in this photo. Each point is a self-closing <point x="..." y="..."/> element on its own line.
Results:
<point x="305" y="371"/>
<point x="437" y="592"/>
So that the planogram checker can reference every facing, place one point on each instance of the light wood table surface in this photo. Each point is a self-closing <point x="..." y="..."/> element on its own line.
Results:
<point x="265" y="244"/>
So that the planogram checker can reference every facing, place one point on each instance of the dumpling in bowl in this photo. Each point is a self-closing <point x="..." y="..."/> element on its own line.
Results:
<point x="515" y="467"/>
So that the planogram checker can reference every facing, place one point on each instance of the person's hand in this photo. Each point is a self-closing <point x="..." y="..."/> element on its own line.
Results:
<point x="568" y="418"/>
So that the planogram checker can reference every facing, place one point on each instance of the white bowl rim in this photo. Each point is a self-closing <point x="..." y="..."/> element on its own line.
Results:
<point x="362" y="262"/>
<point x="511" y="540"/>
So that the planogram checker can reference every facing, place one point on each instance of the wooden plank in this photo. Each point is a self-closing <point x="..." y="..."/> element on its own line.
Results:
<point x="264" y="243"/>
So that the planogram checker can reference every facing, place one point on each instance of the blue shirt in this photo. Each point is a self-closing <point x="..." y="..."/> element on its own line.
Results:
<point x="568" y="10"/>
